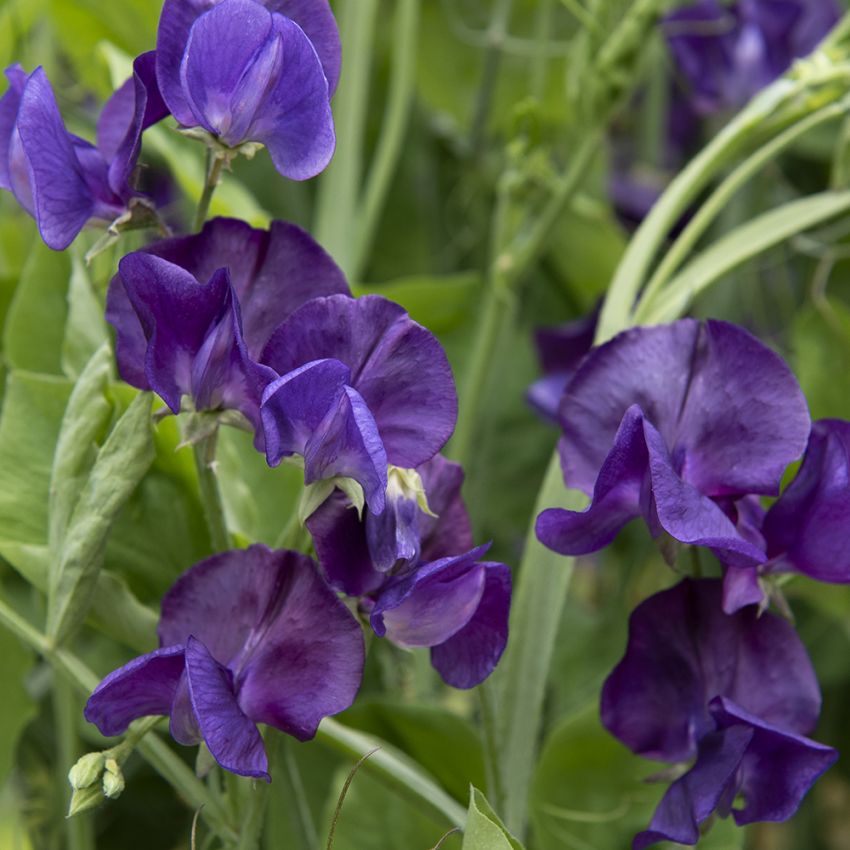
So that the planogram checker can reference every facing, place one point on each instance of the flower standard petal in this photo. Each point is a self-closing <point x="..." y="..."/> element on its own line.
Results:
<point x="144" y="686"/>
<point x="232" y="738"/>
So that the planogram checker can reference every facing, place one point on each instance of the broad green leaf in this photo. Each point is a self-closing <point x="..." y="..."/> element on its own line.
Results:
<point x="16" y="708"/>
<point x="121" y="464"/>
<point x="35" y="324"/>
<point x="444" y="744"/>
<point x="84" y="424"/>
<point x="735" y="248"/>
<point x="85" y="330"/>
<point x="484" y="830"/>
<point x="440" y="303"/>
<point x="29" y="429"/>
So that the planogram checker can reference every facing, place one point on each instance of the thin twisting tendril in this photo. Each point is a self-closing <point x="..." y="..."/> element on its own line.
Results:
<point x="341" y="800"/>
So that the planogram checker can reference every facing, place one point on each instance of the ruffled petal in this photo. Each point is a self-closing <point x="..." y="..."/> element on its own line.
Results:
<point x="470" y="655"/>
<point x="232" y="738"/>
<point x="145" y="686"/>
<point x="397" y="366"/>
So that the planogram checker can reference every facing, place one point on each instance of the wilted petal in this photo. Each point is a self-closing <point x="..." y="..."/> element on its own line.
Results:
<point x="232" y="738"/>
<point x="304" y="659"/>
<point x="145" y="686"/>
<point x="683" y="651"/>
<point x="692" y="798"/>
<point x="807" y="527"/>
<point x="397" y="366"/>
<point x="432" y="603"/>
<point x="469" y="656"/>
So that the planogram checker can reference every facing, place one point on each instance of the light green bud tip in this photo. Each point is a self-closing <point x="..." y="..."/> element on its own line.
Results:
<point x="84" y="799"/>
<point x="86" y="771"/>
<point x="113" y="779"/>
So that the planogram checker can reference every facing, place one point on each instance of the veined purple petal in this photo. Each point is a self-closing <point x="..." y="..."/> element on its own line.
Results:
<point x="304" y="661"/>
<point x="431" y="604"/>
<point x="397" y="366"/>
<point x="394" y="534"/>
<point x="232" y="738"/>
<point x="470" y="655"/>
<point x="807" y="526"/>
<point x="313" y="16"/>
<point x="144" y="686"/>
<point x="450" y="531"/>
<point x="9" y="104"/>
<point x="683" y="651"/>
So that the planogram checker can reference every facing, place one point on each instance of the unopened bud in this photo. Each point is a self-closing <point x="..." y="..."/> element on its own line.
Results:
<point x="86" y="771"/>
<point x="84" y="799"/>
<point x="113" y="779"/>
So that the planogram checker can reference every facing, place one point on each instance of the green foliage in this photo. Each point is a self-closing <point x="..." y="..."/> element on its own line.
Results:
<point x="17" y="707"/>
<point x="484" y="830"/>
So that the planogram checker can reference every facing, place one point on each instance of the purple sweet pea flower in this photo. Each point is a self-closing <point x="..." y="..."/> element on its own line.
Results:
<point x="247" y="71"/>
<point x="729" y="51"/>
<point x="248" y="636"/>
<point x="560" y="350"/>
<point x="61" y="180"/>
<point x="735" y="694"/>
<point x="404" y="567"/>
<point x="805" y="530"/>
<point x="673" y="423"/>
<point x="361" y="386"/>
<point x="193" y="313"/>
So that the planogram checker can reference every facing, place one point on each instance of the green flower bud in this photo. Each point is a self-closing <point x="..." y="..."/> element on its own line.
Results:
<point x="84" y="799"/>
<point x="86" y="771"/>
<point x="113" y="779"/>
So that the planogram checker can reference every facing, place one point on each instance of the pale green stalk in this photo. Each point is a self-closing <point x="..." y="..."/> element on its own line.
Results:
<point x="204" y="454"/>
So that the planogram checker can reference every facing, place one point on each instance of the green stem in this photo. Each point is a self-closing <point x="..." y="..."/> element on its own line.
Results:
<point x="721" y="196"/>
<point x="542" y="28"/>
<point x="495" y="788"/>
<point x="339" y="188"/>
<point x="154" y="750"/>
<point x="253" y="800"/>
<point x="78" y="830"/>
<point x="396" y="119"/>
<point x="303" y="815"/>
<point x="204" y="453"/>
<point x="396" y="770"/>
<point x="496" y="34"/>
<point x="213" y="175"/>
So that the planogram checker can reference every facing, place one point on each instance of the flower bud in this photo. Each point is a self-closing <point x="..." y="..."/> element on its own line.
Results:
<point x="113" y="779"/>
<point x="82" y="800"/>
<point x="86" y="771"/>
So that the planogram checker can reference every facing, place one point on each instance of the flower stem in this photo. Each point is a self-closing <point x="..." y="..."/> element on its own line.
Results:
<point x="213" y="175"/>
<point x="77" y="830"/>
<point x="204" y="452"/>
<point x="495" y="786"/>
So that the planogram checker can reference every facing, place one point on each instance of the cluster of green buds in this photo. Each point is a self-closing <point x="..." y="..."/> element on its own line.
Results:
<point x="95" y="777"/>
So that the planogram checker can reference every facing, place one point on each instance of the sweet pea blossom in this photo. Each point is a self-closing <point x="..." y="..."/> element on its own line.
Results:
<point x="405" y="568"/>
<point x="248" y="636"/>
<point x="193" y="313"/>
<point x="729" y="51"/>
<point x="805" y="530"/>
<point x="675" y="423"/>
<point x="361" y="386"/>
<point x="733" y="696"/>
<point x="250" y="72"/>
<point x="61" y="180"/>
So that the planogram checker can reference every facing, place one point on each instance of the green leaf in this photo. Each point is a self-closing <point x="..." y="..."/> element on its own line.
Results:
<point x="35" y="324"/>
<point x="484" y="830"/>
<point x="735" y="248"/>
<point x="121" y="464"/>
<point x="29" y="428"/>
<point x="85" y="329"/>
<point x="16" y="707"/>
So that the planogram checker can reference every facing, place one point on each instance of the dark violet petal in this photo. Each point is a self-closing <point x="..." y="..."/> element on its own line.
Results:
<point x="689" y="516"/>
<point x="304" y="661"/>
<point x="144" y="686"/>
<point x="616" y="496"/>
<point x="393" y="535"/>
<point x="397" y="366"/>
<point x="683" y="651"/>
<point x="347" y="444"/>
<point x="341" y="546"/>
<point x="741" y="588"/>
<point x="230" y="60"/>
<point x="778" y="768"/>
<point x="232" y="738"/>
<point x="692" y="798"/>
<point x="470" y="655"/>
<point x="807" y="526"/>
<point x="9" y="104"/>
<point x="434" y="602"/>
<point x="451" y="531"/>
<point x="313" y="16"/>
<point x="295" y="405"/>
<point x="544" y="395"/>
<point x="131" y="344"/>
<point x="561" y="348"/>
<point x="293" y="119"/>
<point x="184" y="725"/>
<point x="176" y="313"/>
<point x="62" y="199"/>
<point x="745" y="418"/>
